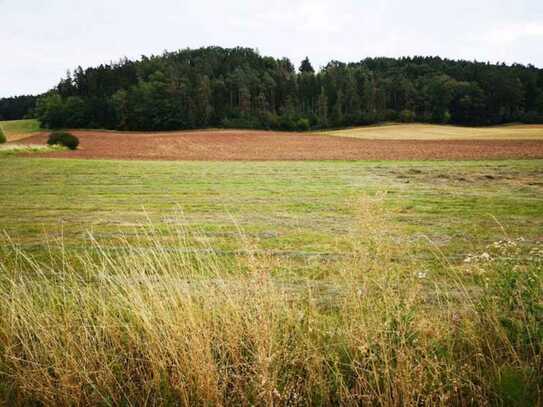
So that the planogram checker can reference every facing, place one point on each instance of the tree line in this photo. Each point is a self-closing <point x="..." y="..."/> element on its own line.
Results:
<point x="217" y="87"/>
<point x="18" y="107"/>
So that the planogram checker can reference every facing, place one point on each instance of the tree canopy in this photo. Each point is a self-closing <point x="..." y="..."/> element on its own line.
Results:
<point x="238" y="87"/>
<point x="18" y="107"/>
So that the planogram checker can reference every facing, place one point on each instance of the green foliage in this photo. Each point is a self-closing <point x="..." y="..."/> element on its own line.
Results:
<point x="64" y="139"/>
<point x="306" y="67"/>
<point x="241" y="123"/>
<point x="407" y="116"/>
<point x="215" y="87"/>
<point x="55" y="112"/>
<point x="511" y="309"/>
<point x="287" y="123"/>
<point x="323" y="109"/>
<point x="517" y="293"/>
<point x="269" y="121"/>
<point x="51" y="112"/>
<point x="2" y="136"/>
<point x="70" y="141"/>
<point x="54" y="138"/>
<point x="303" y="124"/>
<point x="17" y="108"/>
<point x="516" y="387"/>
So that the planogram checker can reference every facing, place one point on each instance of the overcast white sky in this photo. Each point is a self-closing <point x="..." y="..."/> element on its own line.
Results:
<point x="41" y="39"/>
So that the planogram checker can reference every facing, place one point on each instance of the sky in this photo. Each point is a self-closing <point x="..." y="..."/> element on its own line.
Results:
<point x="41" y="39"/>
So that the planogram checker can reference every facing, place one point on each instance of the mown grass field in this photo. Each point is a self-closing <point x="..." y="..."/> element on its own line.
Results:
<point x="271" y="283"/>
<point x="305" y="207"/>
<point x="295" y="205"/>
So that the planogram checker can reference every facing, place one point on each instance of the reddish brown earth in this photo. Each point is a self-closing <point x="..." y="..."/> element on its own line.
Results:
<point x="259" y="145"/>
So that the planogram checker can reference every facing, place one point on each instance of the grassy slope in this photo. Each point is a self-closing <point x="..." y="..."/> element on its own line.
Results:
<point x="288" y="206"/>
<point x="18" y="129"/>
<point x="441" y="132"/>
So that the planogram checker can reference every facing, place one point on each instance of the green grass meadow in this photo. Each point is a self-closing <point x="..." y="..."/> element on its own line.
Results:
<point x="271" y="283"/>
<point x="19" y="127"/>
<point x="288" y="206"/>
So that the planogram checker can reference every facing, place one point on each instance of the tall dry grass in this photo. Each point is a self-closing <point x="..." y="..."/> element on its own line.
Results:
<point x="147" y="324"/>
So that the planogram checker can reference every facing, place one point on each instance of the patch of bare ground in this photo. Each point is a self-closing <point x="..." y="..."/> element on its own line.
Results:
<point x="248" y="145"/>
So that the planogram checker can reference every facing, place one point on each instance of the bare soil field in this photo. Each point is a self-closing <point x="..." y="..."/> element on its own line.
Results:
<point x="259" y="145"/>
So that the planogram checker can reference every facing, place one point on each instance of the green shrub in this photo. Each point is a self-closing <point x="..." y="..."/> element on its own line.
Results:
<point x="2" y="136"/>
<point x="407" y="116"/>
<point x="287" y="123"/>
<point x="269" y="120"/>
<point x="64" y="139"/>
<point x="54" y="138"/>
<point x="303" y="124"/>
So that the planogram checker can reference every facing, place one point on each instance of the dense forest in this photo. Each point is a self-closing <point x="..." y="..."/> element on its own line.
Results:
<point x="216" y="87"/>
<point x="16" y="108"/>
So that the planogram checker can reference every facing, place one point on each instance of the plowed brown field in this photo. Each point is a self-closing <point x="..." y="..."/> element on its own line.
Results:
<point x="260" y="145"/>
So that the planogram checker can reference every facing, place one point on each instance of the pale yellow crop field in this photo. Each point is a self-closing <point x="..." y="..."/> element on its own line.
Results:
<point x="441" y="132"/>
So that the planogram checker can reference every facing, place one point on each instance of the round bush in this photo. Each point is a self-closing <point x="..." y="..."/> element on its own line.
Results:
<point x="64" y="139"/>
<point x="54" y="138"/>
<point x="70" y="141"/>
<point x="2" y="136"/>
